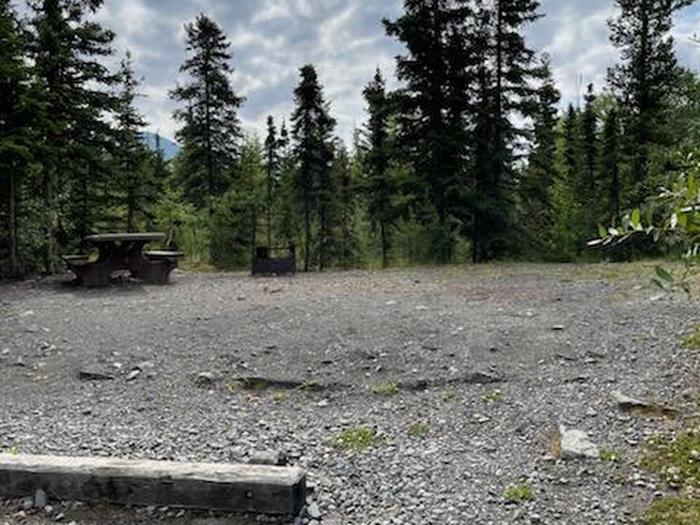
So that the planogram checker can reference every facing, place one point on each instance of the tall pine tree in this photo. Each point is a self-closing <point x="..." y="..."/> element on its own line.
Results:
<point x="15" y="147"/>
<point x="504" y="87"/>
<point x="67" y="52"/>
<point x="312" y="131"/>
<point x="132" y="156"/>
<point x="536" y="217"/>
<point x="645" y="78"/>
<point x="210" y="131"/>
<point x="433" y="103"/>
<point x="378" y="186"/>
<point x="272" y="144"/>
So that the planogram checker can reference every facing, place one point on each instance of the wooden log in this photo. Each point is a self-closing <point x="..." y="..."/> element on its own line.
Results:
<point x="228" y="488"/>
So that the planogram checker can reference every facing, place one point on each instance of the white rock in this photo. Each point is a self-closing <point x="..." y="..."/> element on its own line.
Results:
<point x="575" y="444"/>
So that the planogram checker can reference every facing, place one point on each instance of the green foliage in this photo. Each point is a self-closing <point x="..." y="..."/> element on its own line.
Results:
<point x="676" y="460"/>
<point x="210" y="132"/>
<point x="672" y="511"/>
<point x="385" y="389"/>
<point x="357" y="439"/>
<point x="493" y="396"/>
<point x="519" y="493"/>
<point x="418" y="429"/>
<point x="609" y="456"/>
<point x="692" y="341"/>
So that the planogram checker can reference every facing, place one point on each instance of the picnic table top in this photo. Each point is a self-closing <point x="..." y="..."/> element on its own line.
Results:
<point x="125" y="237"/>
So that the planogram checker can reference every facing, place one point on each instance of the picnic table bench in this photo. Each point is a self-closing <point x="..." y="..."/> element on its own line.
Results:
<point x="123" y="252"/>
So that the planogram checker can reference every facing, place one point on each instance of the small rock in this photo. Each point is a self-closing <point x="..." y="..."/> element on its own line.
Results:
<point x="94" y="375"/>
<point x="133" y="374"/>
<point x="575" y="444"/>
<point x="267" y="458"/>
<point x="40" y="499"/>
<point x="558" y="328"/>
<point x="313" y="511"/>
<point x="643" y="406"/>
<point x="483" y="378"/>
<point x="205" y="378"/>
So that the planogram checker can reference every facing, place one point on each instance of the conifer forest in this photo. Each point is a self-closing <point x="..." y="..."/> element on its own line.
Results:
<point x="470" y="156"/>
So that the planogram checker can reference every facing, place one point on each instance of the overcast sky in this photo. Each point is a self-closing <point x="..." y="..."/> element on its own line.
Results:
<point x="345" y="39"/>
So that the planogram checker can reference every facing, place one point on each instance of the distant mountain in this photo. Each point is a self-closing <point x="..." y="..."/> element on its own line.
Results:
<point x="170" y="148"/>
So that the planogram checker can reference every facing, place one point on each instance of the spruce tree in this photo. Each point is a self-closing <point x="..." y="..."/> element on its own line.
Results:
<point x="15" y="140"/>
<point x="67" y="49"/>
<point x="506" y="70"/>
<point x="272" y="144"/>
<point x="312" y="131"/>
<point x="376" y="159"/>
<point x="610" y="165"/>
<point x="434" y="101"/>
<point x="536" y="217"/>
<point x="130" y="149"/>
<point x="210" y="131"/>
<point x="587" y="187"/>
<point x="643" y="81"/>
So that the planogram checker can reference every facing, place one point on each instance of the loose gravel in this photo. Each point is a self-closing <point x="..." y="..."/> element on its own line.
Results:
<point x="461" y="377"/>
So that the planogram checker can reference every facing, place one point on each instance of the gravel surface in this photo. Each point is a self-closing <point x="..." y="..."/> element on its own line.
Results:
<point x="463" y="375"/>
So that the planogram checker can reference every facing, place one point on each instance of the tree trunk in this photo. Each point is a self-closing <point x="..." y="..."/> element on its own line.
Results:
<point x="382" y="233"/>
<point x="15" y="270"/>
<point x="307" y="230"/>
<point x="49" y="218"/>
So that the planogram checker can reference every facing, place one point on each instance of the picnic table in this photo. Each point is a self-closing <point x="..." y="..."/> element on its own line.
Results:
<point x="123" y="252"/>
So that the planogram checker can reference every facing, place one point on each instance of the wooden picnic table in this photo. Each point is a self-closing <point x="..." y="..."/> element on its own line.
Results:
<point x="123" y="252"/>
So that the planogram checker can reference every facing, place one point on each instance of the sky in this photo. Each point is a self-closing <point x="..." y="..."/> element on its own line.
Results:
<point x="272" y="39"/>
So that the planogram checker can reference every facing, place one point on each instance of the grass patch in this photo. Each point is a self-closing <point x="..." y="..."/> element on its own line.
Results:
<point x="673" y="511"/>
<point x="356" y="439"/>
<point x="692" y="341"/>
<point x="519" y="493"/>
<point x="418" y="429"/>
<point x="385" y="389"/>
<point x="279" y="396"/>
<point x="609" y="456"/>
<point x="494" y="396"/>
<point x="676" y="460"/>
<point x="449" y="395"/>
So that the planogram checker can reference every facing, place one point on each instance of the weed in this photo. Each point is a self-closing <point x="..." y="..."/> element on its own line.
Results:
<point x="692" y="341"/>
<point x="449" y="395"/>
<point x="519" y="493"/>
<point x="386" y="389"/>
<point x="494" y="396"/>
<point x="279" y="395"/>
<point x="672" y="511"/>
<point x="418" y="429"/>
<point x="609" y="456"/>
<point x="357" y="439"/>
<point x="676" y="460"/>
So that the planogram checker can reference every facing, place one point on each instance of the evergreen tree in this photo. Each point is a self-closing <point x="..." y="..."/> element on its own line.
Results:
<point x="210" y="131"/>
<point x="536" y="217"/>
<point x="644" y="80"/>
<point x="159" y="166"/>
<point x="506" y="71"/>
<point x="132" y="156"/>
<point x="313" y="152"/>
<point x="272" y="144"/>
<point x="67" y="48"/>
<point x="434" y="101"/>
<point x="587" y="187"/>
<point x="346" y="249"/>
<point x="15" y="146"/>
<point x="377" y="158"/>
<point x="233" y="223"/>
<point x="611" y="165"/>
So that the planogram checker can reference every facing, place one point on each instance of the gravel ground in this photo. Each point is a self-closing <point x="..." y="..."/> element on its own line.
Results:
<point x="491" y="360"/>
